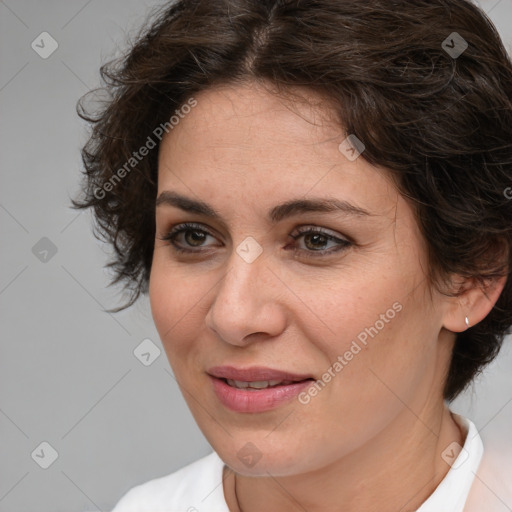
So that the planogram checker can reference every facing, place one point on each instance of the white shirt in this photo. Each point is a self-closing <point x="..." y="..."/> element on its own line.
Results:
<point x="198" y="486"/>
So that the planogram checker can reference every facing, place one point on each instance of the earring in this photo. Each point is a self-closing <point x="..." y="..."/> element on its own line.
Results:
<point x="467" y="321"/>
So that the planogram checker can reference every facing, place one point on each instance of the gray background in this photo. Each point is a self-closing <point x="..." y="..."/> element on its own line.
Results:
<point x="68" y="372"/>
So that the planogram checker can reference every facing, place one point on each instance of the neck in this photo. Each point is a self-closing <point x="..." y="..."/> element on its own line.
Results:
<point x="394" y="471"/>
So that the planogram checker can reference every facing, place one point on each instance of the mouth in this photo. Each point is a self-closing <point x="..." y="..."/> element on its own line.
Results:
<point x="256" y="389"/>
<point x="256" y="374"/>
<point x="259" y="384"/>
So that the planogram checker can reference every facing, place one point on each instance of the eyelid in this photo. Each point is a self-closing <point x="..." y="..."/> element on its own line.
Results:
<point x="184" y="226"/>
<point x="170" y="234"/>
<point x="321" y="230"/>
<point x="343" y="243"/>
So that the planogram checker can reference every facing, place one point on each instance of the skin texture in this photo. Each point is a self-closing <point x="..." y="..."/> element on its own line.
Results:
<point x="372" y="438"/>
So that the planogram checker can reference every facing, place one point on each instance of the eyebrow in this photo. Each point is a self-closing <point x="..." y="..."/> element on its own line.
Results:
<point x="276" y="214"/>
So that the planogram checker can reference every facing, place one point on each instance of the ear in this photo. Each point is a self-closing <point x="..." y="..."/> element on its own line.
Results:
<point x="475" y="302"/>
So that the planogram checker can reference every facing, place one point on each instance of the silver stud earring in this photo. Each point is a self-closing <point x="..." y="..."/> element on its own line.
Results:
<point x="467" y="321"/>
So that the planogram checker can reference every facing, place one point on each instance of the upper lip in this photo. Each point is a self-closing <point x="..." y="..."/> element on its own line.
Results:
<point x="254" y="373"/>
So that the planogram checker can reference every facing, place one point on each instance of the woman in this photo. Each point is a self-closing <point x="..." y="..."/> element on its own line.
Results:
<point x="312" y="195"/>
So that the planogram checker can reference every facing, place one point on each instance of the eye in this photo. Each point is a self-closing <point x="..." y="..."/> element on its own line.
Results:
<point x="316" y="242"/>
<point x="185" y="236"/>
<point x="191" y="237"/>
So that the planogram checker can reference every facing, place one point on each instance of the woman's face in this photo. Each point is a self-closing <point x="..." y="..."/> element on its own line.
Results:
<point x="336" y="294"/>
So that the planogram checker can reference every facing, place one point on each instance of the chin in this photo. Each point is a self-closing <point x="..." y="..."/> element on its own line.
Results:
<point x="261" y="458"/>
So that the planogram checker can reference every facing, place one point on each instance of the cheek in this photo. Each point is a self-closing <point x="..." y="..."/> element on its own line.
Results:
<point x="360" y="307"/>
<point x="175" y="305"/>
<point x="375" y="339"/>
<point x="162" y="293"/>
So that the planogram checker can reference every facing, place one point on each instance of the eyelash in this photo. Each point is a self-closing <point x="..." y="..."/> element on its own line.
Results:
<point x="187" y="226"/>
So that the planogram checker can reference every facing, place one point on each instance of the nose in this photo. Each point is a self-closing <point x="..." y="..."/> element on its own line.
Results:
<point x="246" y="307"/>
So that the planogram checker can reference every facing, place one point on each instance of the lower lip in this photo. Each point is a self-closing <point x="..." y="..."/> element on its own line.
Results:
<point x="241" y="400"/>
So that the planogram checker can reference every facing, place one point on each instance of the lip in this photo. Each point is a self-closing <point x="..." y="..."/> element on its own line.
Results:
<point x="254" y="373"/>
<point x="261" y="400"/>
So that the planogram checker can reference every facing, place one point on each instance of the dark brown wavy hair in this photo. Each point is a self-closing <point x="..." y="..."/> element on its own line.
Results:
<point x="440" y="122"/>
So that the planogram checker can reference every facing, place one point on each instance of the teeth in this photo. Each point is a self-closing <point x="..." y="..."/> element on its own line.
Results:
<point x="259" y="384"/>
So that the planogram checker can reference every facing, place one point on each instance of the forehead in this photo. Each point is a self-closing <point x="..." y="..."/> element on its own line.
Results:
<point x="245" y="140"/>
<point x="247" y="116"/>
